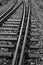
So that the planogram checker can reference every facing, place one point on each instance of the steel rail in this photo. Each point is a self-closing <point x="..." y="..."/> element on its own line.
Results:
<point x="18" y="42"/>
<point x="14" y="9"/>
<point x="22" y="52"/>
<point x="8" y="10"/>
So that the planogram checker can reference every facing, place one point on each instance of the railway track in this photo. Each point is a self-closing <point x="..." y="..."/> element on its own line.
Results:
<point x="9" y="32"/>
<point x="19" y="35"/>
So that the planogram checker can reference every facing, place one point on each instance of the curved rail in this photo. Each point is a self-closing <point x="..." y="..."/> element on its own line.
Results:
<point x="18" y="42"/>
<point x="8" y="10"/>
<point x="21" y="57"/>
<point x="14" y="9"/>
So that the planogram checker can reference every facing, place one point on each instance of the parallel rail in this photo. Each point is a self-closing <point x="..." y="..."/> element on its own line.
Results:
<point x="18" y="42"/>
<point x="23" y="26"/>
<point x="24" y="41"/>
